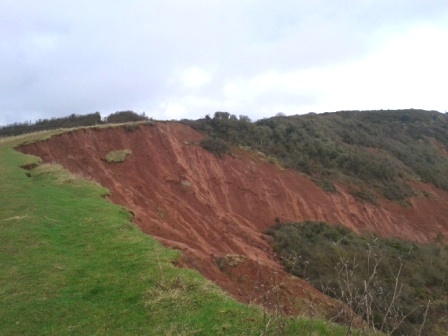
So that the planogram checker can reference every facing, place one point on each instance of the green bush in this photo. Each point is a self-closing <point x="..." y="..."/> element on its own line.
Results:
<point x="215" y="146"/>
<point x="125" y="116"/>
<point x="380" y="149"/>
<point x="343" y="264"/>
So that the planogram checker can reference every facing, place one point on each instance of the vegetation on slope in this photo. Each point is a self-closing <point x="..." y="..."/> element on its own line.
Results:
<point x="71" y="121"/>
<point x="74" y="263"/>
<point x="383" y="280"/>
<point x="375" y="152"/>
<point x="118" y="155"/>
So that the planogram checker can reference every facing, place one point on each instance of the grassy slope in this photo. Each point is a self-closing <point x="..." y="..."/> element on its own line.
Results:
<point x="73" y="263"/>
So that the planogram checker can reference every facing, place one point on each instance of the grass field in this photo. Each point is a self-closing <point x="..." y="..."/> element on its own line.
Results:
<point x="71" y="263"/>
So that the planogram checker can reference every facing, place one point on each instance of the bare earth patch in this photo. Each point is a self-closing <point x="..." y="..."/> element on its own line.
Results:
<point x="227" y="204"/>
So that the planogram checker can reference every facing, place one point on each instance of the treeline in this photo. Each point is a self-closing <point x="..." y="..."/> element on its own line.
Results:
<point x="373" y="152"/>
<point x="390" y="283"/>
<point x="71" y="121"/>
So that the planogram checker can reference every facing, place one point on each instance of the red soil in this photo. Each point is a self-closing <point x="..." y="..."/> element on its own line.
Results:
<point x="211" y="207"/>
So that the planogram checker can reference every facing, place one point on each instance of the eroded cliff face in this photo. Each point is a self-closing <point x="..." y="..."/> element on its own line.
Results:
<point x="212" y="207"/>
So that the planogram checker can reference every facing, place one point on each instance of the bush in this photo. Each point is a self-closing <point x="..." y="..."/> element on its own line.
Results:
<point x="70" y="121"/>
<point x="373" y="276"/>
<point x="125" y="116"/>
<point x="381" y="149"/>
<point x="215" y="146"/>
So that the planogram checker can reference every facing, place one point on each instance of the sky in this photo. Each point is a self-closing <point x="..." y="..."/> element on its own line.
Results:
<point x="176" y="59"/>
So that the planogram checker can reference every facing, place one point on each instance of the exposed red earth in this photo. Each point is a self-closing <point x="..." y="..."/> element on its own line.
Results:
<point x="215" y="209"/>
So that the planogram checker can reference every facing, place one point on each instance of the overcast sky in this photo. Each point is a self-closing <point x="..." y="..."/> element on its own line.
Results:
<point x="185" y="59"/>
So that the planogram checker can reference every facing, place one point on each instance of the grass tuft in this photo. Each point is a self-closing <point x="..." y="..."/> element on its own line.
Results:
<point x="118" y="155"/>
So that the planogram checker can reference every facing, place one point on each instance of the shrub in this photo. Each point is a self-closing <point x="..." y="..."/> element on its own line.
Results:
<point x="382" y="280"/>
<point x="381" y="149"/>
<point x="125" y="116"/>
<point x="215" y="146"/>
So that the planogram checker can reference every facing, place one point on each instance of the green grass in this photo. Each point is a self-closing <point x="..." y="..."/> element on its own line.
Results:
<point x="118" y="155"/>
<point x="73" y="263"/>
<point x="10" y="142"/>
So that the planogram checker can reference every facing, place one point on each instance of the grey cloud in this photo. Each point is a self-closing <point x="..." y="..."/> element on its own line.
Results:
<point x="58" y="58"/>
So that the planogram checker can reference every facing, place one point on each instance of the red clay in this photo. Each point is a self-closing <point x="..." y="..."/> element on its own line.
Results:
<point x="209" y="207"/>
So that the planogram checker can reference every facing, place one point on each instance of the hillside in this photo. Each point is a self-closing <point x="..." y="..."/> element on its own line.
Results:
<point x="376" y="153"/>
<point x="73" y="263"/>
<point x="211" y="187"/>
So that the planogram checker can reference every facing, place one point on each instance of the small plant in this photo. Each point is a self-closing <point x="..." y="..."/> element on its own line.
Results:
<point x="275" y="161"/>
<point x="215" y="145"/>
<point x="325" y="185"/>
<point x="228" y="261"/>
<point x="365" y="195"/>
<point x="117" y="156"/>
<point x="275" y="319"/>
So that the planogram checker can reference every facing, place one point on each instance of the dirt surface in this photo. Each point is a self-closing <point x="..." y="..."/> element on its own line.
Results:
<point x="216" y="209"/>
